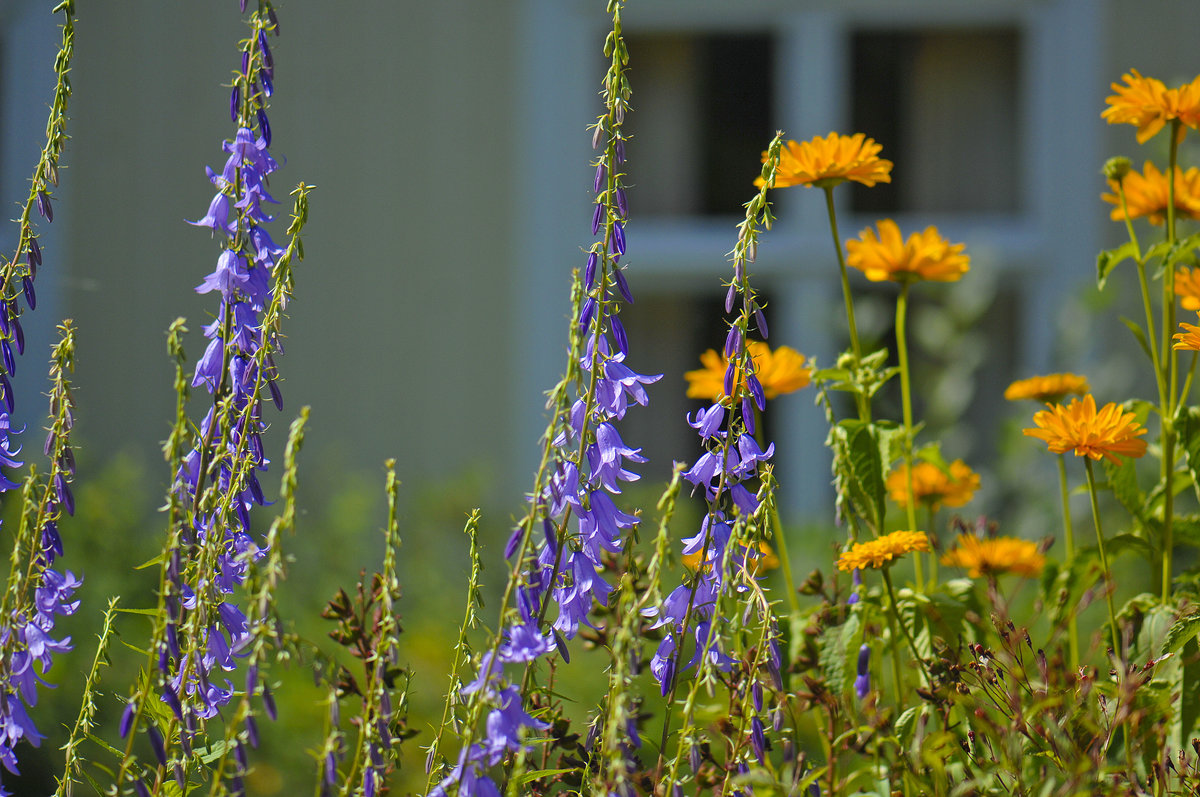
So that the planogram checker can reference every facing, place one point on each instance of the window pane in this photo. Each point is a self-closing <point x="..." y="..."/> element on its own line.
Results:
<point x="944" y="106"/>
<point x="701" y="116"/>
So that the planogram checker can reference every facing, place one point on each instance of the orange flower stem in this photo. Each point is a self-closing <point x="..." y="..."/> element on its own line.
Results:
<point x="1069" y="539"/>
<point x="1109" y="585"/>
<point x="934" y="544"/>
<point x="906" y="398"/>
<point x="1168" y="418"/>
<point x="1150" y="326"/>
<point x="912" y="646"/>
<point x="864" y="407"/>
<point x="785" y="561"/>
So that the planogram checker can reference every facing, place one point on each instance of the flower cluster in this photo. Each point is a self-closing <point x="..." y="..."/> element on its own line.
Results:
<point x="588" y="462"/>
<point x="880" y="552"/>
<point x="934" y="486"/>
<point x="39" y="594"/>
<point x="825" y="162"/>
<point x="780" y="372"/>
<point x="732" y="462"/>
<point x="995" y="555"/>
<point x="1109" y="432"/>
<point x="1048" y="389"/>
<point x="1148" y="104"/>
<point x="1146" y="194"/>
<point x="217" y="483"/>
<point x="886" y="255"/>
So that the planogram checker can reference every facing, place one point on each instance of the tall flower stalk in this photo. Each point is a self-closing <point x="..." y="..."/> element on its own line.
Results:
<point x="583" y="464"/>
<point x="210" y="557"/>
<point x="36" y="593"/>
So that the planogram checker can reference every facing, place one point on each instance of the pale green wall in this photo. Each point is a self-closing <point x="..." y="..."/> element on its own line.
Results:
<point x="401" y="115"/>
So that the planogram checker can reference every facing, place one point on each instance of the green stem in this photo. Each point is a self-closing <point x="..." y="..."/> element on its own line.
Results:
<point x="1069" y="537"/>
<point x="864" y="407"/>
<point x="912" y="646"/>
<point x="910" y="507"/>
<point x="785" y="561"/>
<point x="1108" y="582"/>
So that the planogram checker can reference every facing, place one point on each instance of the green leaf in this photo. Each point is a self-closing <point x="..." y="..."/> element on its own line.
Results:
<point x="858" y="469"/>
<point x="837" y="652"/>
<point x="1140" y="335"/>
<point x="543" y="773"/>
<point x="1129" y="542"/>
<point x="932" y="453"/>
<point x="1182" y="631"/>
<point x="1107" y="260"/>
<point x="905" y="724"/>
<point x="1122" y="480"/>
<point x="1188" y="428"/>
<point x="150" y="563"/>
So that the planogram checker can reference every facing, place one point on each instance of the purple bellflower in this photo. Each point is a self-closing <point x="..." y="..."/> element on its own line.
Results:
<point x="562" y="568"/>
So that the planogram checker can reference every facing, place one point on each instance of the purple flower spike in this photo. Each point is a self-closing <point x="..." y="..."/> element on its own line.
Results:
<point x="729" y="297"/>
<point x="235" y="100"/>
<point x="18" y="335"/>
<point x="268" y="86"/>
<point x="733" y="341"/>
<point x="156" y="743"/>
<point x="35" y="251"/>
<point x="597" y="218"/>
<point x="622" y="203"/>
<point x="618" y="237"/>
<point x="601" y="173"/>
<point x="30" y="296"/>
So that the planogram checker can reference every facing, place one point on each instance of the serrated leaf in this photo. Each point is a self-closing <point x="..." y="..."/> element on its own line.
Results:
<point x="1107" y="260"/>
<point x="1180" y="633"/>
<point x="1121" y="543"/>
<point x="1122" y="480"/>
<point x="837" y="652"/>
<point x="858" y="469"/>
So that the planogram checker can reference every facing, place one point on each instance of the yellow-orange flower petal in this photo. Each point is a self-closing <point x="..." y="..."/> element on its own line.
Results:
<point x="1148" y="104"/>
<point x="924" y="256"/>
<point x="879" y="552"/>
<point x="932" y="486"/>
<point x="1048" y="389"/>
<point x="765" y="560"/>
<point x="779" y="372"/>
<point x="1146" y="194"/>
<point x="1188" y="339"/>
<point x="1187" y="287"/>
<point x="981" y="557"/>
<point x="1079" y="427"/>
<point x="825" y="162"/>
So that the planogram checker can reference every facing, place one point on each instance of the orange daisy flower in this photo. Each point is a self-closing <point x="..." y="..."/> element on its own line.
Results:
<point x="779" y="372"/>
<point x="993" y="556"/>
<point x="825" y="162"/>
<point x="880" y="552"/>
<point x="1078" y="426"/>
<point x="1189" y="339"/>
<point x="932" y="485"/>
<point x="1146" y="194"/>
<point x="1048" y="389"/>
<point x="924" y="256"/>
<point x="1148" y="104"/>
<point x="1187" y="287"/>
